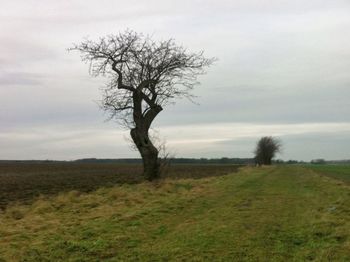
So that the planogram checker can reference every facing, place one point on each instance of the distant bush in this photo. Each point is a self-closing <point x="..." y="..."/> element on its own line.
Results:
<point x="318" y="161"/>
<point x="266" y="149"/>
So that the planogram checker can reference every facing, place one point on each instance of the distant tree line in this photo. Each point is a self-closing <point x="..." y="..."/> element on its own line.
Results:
<point x="289" y="162"/>
<point x="223" y="160"/>
<point x="318" y="161"/>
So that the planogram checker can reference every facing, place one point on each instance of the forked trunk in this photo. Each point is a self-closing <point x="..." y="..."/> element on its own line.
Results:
<point x="149" y="153"/>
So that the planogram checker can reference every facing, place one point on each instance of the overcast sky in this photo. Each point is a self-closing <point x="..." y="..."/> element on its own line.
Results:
<point x="283" y="70"/>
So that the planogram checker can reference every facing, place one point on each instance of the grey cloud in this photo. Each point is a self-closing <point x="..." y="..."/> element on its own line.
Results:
<point x="20" y="54"/>
<point x="19" y="79"/>
<point x="63" y="143"/>
<point x="279" y="62"/>
<point x="264" y="105"/>
<point x="317" y="145"/>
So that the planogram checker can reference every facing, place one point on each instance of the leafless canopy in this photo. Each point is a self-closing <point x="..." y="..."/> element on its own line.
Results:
<point x="154" y="72"/>
<point x="144" y="75"/>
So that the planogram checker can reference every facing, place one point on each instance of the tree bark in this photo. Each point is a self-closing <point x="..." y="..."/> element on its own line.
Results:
<point x="148" y="151"/>
<point x="139" y="135"/>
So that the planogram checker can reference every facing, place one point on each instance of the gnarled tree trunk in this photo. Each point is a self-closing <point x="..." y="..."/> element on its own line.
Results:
<point x="150" y="163"/>
<point x="148" y="151"/>
<point x="140" y="136"/>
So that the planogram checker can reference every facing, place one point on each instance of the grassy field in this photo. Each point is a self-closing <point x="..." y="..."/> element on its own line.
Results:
<point x="281" y="213"/>
<point x="341" y="172"/>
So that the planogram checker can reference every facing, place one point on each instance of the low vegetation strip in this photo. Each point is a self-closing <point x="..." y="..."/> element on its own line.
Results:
<point x="284" y="213"/>
<point x="25" y="181"/>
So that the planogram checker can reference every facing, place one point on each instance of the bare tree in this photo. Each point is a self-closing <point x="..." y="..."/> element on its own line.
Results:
<point x="144" y="76"/>
<point x="266" y="149"/>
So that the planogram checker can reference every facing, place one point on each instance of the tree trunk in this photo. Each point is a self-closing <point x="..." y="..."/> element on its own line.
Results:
<point x="150" y="163"/>
<point x="148" y="151"/>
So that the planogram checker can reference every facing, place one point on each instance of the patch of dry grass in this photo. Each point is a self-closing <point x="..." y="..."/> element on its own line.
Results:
<point x="25" y="182"/>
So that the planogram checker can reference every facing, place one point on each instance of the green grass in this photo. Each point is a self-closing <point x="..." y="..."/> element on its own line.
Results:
<point x="341" y="172"/>
<point x="284" y="213"/>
